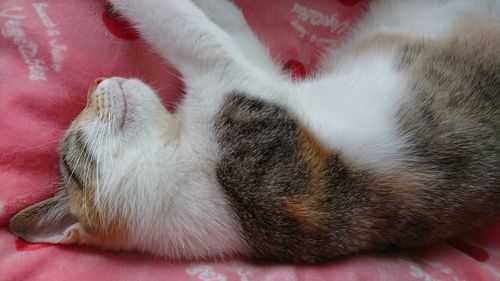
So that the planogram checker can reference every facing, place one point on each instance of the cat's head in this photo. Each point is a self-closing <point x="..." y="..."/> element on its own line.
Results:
<point x="107" y="156"/>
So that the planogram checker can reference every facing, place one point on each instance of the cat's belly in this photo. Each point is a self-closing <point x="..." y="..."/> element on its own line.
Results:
<point x="354" y="110"/>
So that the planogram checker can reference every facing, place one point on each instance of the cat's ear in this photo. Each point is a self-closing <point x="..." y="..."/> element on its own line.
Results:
<point x="48" y="221"/>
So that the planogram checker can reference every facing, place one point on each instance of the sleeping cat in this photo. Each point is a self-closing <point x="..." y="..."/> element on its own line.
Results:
<point x="395" y="142"/>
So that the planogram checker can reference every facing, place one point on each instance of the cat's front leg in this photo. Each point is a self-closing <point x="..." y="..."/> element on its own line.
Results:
<point x="209" y="60"/>
<point x="182" y="34"/>
<point x="226" y="15"/>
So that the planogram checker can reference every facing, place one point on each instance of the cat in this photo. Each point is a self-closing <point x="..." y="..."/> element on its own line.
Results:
<point x="395" y="142"/>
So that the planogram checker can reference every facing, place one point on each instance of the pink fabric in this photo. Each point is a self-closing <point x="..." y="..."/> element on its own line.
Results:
<point x="50" y="51"/>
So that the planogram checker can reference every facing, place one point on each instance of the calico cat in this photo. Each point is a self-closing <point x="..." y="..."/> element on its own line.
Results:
<point x="395" y="142"/>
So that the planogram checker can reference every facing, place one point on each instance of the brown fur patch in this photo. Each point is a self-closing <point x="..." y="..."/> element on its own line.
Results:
<point x="307" y="208"/>
<point x="103" y="229"/>
<point x="474" y="28"/>
<point x="314" y="154"/>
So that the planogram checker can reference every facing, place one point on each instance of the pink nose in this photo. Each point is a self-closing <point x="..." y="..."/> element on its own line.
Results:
<point x="99" y="80"/>
<point x="93" y="85"/>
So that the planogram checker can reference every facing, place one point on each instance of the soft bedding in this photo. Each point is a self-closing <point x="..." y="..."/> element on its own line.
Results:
<point x="51" y="50"/>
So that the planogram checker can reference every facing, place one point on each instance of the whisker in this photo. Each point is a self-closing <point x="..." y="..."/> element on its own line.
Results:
<point x="75" y="166"/>
<point x="101" y="182"/>
<point x="87" y="167"/>
<point x="105" y="180"/>
<point x="86" y="171"/>
<point x="96" y="144"/>
<point x="30" y="148"/>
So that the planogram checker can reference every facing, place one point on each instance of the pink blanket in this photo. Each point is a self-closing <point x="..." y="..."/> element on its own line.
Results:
<point x="50" y="51"/>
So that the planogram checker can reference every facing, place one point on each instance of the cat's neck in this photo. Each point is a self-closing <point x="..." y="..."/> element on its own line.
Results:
<point x="187" y="215"/>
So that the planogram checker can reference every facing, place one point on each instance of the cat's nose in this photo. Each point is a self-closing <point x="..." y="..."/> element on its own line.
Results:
<point x="93" y="86"/>
<point x="99" y="80"/>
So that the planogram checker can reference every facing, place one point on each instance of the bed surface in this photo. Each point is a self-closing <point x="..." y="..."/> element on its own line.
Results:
<point x="51" y="50"/>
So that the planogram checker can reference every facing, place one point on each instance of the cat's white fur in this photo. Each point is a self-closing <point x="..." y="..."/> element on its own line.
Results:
<point x="167" y="181"/>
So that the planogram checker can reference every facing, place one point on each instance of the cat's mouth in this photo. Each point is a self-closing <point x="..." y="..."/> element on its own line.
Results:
<point x="125" y="108"/>
<point x="107" y="99"/>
